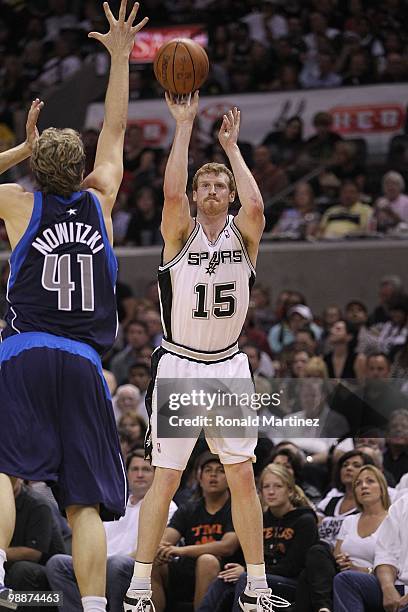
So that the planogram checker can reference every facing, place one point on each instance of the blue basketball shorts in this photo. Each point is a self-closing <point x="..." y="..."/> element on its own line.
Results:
<point x="57" y="422"/>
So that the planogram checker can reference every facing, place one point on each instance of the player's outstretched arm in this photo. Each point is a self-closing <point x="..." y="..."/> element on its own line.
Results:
<point x="14" y="156"/>
<point x="107" y="174"/>
<point x="176" y="219"/>
<point x="250" y="219"/>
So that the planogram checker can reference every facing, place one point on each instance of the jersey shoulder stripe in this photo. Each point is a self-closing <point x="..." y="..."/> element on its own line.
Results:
<point x="244" y="249"/>
<point x="183" y="251"/>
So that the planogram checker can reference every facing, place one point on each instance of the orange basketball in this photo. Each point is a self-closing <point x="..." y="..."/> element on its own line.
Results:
<point x="181" y="66"/>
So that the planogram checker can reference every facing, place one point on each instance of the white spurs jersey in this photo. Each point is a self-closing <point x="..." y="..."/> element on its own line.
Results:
<point x="204" y="291"/>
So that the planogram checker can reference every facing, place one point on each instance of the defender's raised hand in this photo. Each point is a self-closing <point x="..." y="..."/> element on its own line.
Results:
<point x="183" y="108"/>
<point x="121" y="36"/>
<point x="31" y="124"/>
<point x="228" y="134"/>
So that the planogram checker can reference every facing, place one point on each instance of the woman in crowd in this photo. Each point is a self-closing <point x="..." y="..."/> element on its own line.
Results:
<point x="315" y="584"/>
<point x="135" y="427"/>
<point x="301" y="220"/>
<point x="290" y="529"/>
<point x="355" y="548"/>
<point x="340" y="502"/>
<point x="288" y="459"/>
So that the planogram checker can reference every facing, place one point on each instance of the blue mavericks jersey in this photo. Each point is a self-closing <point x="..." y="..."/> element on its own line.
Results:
<point x="63" y="273"/>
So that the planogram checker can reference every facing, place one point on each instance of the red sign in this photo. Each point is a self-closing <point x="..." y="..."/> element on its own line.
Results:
<point x="368" y="118"/>
<point x="149" y="41"/>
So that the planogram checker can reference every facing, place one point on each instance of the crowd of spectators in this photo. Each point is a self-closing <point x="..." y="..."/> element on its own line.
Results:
<point x="258" y="45"/>
<point x="320" y="188"/>
<point x="253" y="45"/>
<point x="329" y="492"/>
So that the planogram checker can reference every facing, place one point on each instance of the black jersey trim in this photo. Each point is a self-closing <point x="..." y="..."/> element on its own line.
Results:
<point x="176" y="259"/>
<point x="241" y="240"/>
<point x="148" y="443"/>
<point x="201" y="360"/>
<point x="200" y="356"/>
<point x="166" y="301"/>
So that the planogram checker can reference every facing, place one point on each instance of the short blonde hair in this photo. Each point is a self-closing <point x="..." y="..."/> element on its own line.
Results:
<point x="316" y="368"/>
<point x="58" y="161"/>
<point x="379" y="476"/>
<point x="215" y="168"/>
<point x="296" y="495"/>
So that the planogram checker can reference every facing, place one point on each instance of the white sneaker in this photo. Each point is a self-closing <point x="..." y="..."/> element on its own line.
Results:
<point x="261" y="601"/>
<point x="138" y="601"/>
<point x="5" y="601"/>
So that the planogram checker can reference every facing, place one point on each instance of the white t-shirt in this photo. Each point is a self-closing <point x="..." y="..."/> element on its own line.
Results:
<point x="121" y="535"/>
<point x="330" y="526"/>
<point x="360" y="550"/>
<point x="392" y="543"/>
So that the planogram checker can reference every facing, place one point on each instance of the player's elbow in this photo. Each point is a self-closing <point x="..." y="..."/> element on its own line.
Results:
<point x="255" y="209"/>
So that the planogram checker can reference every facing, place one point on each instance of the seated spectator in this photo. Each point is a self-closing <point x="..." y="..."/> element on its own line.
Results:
<point x="267" y="23"/>
<point x="349" y="217"/>
<point x="144" y="224"/>
<point x="392" y="208"/>
<point x="292" y="462"/>
<point x="353" y="552"/>
<point x="271" y="179"/>
<point x="331" y="314"/>
<point x="396" y="454"/>
<point x="61" y="66"/>
<point x="301" y="221"/>
<point x="139" y="376"/>
<point x="283" y="334"/>
<point x="360" y="70"/>
<point x="339" y="501"/>
<point x="137" y="337"/>
<point x="341" y="361"/>
<point x="36" y="538"/>
<point x="384" y="588"/>
<point x="394" y="333"/>
<point x="319" y="148"/>
<point x="121" y="539"/>
<point x="289" y="531"/>
<point x="345" y="163"/>
<point x="395" y="69"/>
<point x="372" y="405"/>
<point x="184" y="573"/>
<point x="152" y="318"/>
<point x="390" y="286"/>
<point x="135" y="427"/>
<point x="324" y="76"/>
<point x="126" y="399"/>
<point x="263" y="314"/>
<point x="285" y="145"/>
<point x="261" y="382"/>
<point x="315" y="441"/>
<point x="305" y="340"/>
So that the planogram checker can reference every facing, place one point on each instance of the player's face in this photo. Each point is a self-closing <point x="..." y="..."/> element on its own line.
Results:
<point x="213" y="195"/>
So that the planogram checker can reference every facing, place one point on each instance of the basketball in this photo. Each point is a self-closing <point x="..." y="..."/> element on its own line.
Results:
<point x="181" y="66"/>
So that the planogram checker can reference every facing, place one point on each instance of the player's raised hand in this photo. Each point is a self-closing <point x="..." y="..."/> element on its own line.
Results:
<point x="183" y="108"/>
<point x="228" y="134"/>
<point x="121" y="36"/>
<point x="31" y="124"/>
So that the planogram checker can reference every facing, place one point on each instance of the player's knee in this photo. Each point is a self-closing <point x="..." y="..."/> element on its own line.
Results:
<point x="167" y="481"/>
<point x="241" y="475"/>
<point x="207" y="564"/>
<point x="74" y="512"/>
